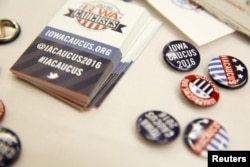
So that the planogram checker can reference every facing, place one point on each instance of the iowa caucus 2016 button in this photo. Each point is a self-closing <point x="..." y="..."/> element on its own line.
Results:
<point x="204" y="134"/>
<point x="158" y="127"/>
<point x="181" y="55"/>
<point x="199" y="90"/>
<point x="228" y="71"/>
<point x="10" y="147"/>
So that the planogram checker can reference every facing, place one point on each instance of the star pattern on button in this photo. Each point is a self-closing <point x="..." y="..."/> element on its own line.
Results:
<point x="239" y="68"/>
<point x="228" y="71"/>
<point x="234" y="60"/>
<point x="203" y="135"/>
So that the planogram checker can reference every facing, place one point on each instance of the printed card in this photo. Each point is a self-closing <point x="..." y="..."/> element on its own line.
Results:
<point x="85" y="43"/>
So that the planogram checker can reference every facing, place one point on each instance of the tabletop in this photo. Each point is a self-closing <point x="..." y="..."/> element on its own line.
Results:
<point x="55" y="134"/>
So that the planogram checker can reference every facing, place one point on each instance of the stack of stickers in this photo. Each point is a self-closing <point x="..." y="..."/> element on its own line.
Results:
<point x="85" y="49"/>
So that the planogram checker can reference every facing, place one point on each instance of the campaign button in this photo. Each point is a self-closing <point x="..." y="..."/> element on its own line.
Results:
<point x="10" y="147"/>
<point x="199" y="90"/>
<point x="204" y="134"/>
<point x="158" y="127"/>
<point x="181" y="55"/>
<point x="228" y="71"/>
<point x="2" y="110"/>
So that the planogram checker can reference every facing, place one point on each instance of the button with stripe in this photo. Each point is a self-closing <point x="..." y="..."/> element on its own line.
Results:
<point x="204" y="134"/>
<point x="199" y="90"/>
<point x="228" y="71"/>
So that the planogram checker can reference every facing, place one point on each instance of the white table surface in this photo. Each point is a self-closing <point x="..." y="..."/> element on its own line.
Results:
<point x="55" y="134"/>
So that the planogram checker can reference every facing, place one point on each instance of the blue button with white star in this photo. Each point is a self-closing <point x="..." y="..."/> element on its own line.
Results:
<point x="228" y="71"/>
<point x="204" y="134"/>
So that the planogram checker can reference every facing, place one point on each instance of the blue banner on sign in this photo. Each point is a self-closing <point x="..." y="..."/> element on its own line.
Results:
<point x="83" y="44"/>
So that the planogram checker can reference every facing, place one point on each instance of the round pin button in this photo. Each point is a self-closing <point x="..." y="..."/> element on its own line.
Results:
<point x="10" y="147"/>
<point x="204" y="134"/>
<point x="158" y="127"/>
<point x="9" y="30"/>
<point x="228" y="71"/>
<point x="181" y="55"/>
<point x="2" y="110"/>
<point x="199" y="90"/>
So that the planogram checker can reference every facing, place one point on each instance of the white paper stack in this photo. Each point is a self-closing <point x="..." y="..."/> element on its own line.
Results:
<point x="235" y="13"/>
<point x="85" y="49"/>
<point x="196" y="23"/>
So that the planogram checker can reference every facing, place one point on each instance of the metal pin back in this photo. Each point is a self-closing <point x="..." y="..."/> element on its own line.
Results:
<point x="9" y="30"/>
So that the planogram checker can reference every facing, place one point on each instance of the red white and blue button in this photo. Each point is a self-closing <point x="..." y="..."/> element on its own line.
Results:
<point x="228" y="71"/>
<point x="2" y="110"/>
<point x="199" y="90"/>
<point x="204" y="134"/>
<point x="181" y="55"/>
<point x="158" y="127"/>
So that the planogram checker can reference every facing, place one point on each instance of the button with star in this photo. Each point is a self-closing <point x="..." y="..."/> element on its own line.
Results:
<point x="228" y="71"/>
<point x="204" y="134"/>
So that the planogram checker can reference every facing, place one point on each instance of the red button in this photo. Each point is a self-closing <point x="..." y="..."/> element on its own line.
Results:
<point x="2" y="109"/>
<point x="199" y="90"/>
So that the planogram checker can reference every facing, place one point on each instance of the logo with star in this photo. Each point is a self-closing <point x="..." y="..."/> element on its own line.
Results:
<point x="240" y="70"/>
